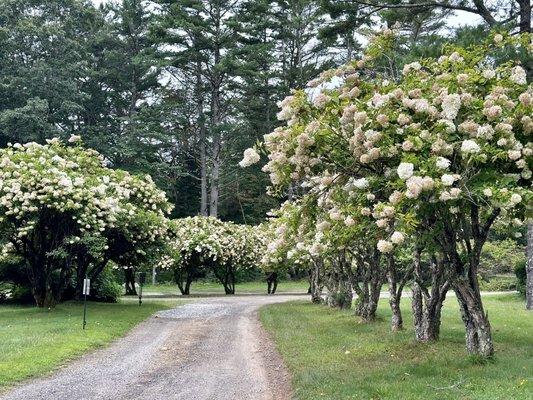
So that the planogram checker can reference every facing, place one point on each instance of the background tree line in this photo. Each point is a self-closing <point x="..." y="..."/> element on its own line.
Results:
<point x="178" y="89"/>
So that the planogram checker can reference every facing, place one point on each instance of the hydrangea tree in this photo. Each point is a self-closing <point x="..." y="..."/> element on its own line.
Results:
<point x="434" y="156"/>
<point x="54" y="198"/>
<point x="195" y="244"/>
<point x="291" y="241"/>
<point x="224" y="248"/>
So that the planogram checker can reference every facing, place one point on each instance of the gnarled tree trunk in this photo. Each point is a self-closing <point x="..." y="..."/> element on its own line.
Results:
<point x="478" y="331"/>
<point x="225" y="275"/>
<point x="472" y="234"/>
<point x="129" y="282"/>
<point x="397" y="282"/>
<point x="315" y="281"/>
<point x="366" y="280"/>
<point x="340" y="293"/>
<point x="427" y="302"/>
<point x="183" y="278"/>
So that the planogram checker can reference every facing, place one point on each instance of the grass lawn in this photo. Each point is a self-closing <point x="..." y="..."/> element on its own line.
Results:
<point x="259" y="287"/>
<point x="34" y="342"/>
<point x="332" y="356"/>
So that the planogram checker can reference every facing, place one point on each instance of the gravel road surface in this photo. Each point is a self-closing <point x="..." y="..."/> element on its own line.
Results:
<point x="212" y="348"/>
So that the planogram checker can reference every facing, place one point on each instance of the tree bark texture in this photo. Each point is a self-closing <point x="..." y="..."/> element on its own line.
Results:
<point x="129" y="282"/>
<point x="397" y="280"/>
<point x="478" y="331"/>
<point x="428" y="295"/>
<point x="366" y="277"/>
<point x="471" y="233"/>
<point x="315" y="281"/>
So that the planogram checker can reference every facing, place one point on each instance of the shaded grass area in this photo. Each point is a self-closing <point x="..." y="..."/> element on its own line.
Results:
<point x="34" y="342"/>
<point x="201" y="287"/>
<point x="332" y="356"/>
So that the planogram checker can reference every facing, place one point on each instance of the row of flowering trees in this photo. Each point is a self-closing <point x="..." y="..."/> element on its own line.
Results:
<point x="400" y="179"/>
<point x="66" y="215"/>
<point x="200" y="244"/>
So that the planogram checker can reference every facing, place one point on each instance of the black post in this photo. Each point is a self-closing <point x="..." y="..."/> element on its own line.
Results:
<point x="142" y="278"/>
<point x="86" y="288"/>
<point x="84" y="310"/>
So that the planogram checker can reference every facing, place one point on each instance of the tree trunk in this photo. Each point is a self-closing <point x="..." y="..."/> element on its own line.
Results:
<point x="229" y="282"/>
<point x="426" y="304"/>
<point x="203" y="144"/>
<point x="395" y="292"/>
<point x="188" y="283"/>
<point x="396" y="318"/>
<point x="203" y="174"/>
<point x="44" y="297"/>
<point x="340" y="293"/>
<point x="40" y="281"/>
<point x="183" y="278"/>
<point x="129" y="282"/>
<point x="368" y="298"/>
<point x="529" y="267"/>
<point x="214" y="181"/>
<point x="225" y="274"/>
<point x="472" y="233"/>
<point x="367" y="281"/>
<point x="367" y="306"/>
<point x="478" y="333"/>
<point x="315" y="280"/>
<point x="525" y="15"/>
<point x="426" y="313"/>
<point x="216" y="119"/>
<point x="272" y="282"/>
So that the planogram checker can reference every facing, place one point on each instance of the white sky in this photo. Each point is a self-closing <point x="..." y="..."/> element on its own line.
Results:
<point x="457" y="19"/>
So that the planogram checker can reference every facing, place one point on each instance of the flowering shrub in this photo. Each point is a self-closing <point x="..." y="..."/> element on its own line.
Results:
<point x="53" y="197"/>
<point x="223" y="247"/>
<point x="440" y="151"/>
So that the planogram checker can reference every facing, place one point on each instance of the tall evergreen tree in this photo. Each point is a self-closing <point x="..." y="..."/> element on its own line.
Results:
<point x="123" y="81"/>
<point x="198" y="39"/>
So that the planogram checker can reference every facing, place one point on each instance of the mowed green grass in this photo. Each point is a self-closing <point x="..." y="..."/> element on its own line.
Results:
<point x="34" y="342"/>
<point x="257" y="287"/>
<point x="332" y="356"/>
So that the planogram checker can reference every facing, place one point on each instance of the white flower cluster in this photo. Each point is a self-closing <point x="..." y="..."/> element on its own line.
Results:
<point x="250" y="157"/>
<point x="73" y="182"/>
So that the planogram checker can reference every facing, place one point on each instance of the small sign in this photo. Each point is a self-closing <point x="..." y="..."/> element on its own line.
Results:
<point x="86" y="286"/>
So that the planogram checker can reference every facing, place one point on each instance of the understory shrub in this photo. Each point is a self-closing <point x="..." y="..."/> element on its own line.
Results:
<point x="106" y="288"/>
<point x="501" y="256"/>
<point x="499" y="283"/>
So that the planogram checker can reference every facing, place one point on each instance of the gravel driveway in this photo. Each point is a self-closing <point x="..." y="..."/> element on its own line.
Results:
<point x="213" y="348"/>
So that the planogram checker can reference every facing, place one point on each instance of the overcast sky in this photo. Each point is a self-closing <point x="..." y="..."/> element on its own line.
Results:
<point x="457" y="19"/>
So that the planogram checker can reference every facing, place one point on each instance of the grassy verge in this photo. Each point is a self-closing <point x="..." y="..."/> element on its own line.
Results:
<point x="331" y="356"/>
<point x="259" y="287"/>
<point x="34" y="342"/>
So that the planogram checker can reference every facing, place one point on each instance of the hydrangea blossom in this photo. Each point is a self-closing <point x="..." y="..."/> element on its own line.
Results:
<point x="250" y="157"/>
<point x="405" y="170"/>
